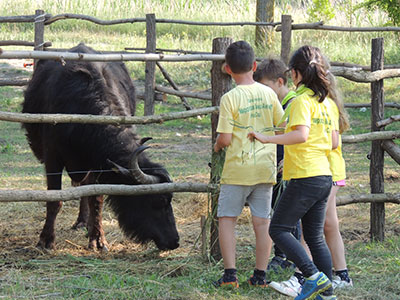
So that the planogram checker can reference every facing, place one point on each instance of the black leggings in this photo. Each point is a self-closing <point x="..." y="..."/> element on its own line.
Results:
<point x="303" y="199"/>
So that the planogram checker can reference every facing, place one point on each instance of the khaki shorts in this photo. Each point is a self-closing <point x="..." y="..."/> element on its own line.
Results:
<point x="233" y="197"/>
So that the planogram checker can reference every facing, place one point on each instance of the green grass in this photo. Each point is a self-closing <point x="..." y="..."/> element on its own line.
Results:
<point x="181" y="277"/>
<point x="130" y="271"/>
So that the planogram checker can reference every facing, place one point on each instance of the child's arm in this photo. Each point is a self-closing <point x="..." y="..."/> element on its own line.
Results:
<point x="297" y="136"/>
<point x="335" y="139"/>
<point x="223" y="140"/>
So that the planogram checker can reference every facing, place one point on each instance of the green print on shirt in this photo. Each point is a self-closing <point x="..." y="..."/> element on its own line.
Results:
<point x="321" y="121"/>
<point x="254" y="107"/>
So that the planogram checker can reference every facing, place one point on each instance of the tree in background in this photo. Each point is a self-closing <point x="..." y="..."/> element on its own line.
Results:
<point x="391" y="7"/>
<point x="264" y="13"/>
<point x="321" y="10"/>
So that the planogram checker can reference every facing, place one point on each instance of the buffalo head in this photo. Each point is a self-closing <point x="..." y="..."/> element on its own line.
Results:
<point x="145" y="218"/>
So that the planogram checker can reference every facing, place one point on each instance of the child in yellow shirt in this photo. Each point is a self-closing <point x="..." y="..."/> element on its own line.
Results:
<point x="249" y="172"/>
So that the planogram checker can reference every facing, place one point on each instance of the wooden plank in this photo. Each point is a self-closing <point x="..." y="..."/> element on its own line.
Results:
<point x="286" y="38"/>
<point x="174" y="86"/>
<point x="40" y="18"/>
<point x="102" y="119"/>
<point x="203" y="236"/>
<point x="22" y="43"/>
<point x="150" y="77"/>
<point x="76" y="193"/>
<point x="18" y="19"/>
<point x="114" y="56"/>
<point x="367" y="198"/>
<point x="320" y="26"/>
<point x="388" y="121"/>
<point x="392" y="149"/>
<point x="370" y="136"/>
<point x="56" y="18"/>
<point x="377" y="210"/>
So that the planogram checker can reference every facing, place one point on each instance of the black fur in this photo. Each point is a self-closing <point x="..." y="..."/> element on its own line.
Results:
<point x="97" y="88"/>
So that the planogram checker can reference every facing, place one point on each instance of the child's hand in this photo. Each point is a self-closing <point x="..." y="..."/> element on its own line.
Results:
<point x="280" y="166"/>
<point x="251" y="135"/>
<point x="257" y="136"/>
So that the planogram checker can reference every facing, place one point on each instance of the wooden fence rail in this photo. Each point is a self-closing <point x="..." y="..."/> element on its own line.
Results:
<point x="49" y="19"/>
<point x="75" y="193"/>
<point x="19" y="19"/>
<point x="371" y="136"/>
<point x="59" y="17"/>
<point x="321" y="26"/>
<point x="100" y="119"/>
<point x="62" y="56"/>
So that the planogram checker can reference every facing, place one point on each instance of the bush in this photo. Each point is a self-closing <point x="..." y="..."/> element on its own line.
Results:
<point x="321" y="10"/>
<point x="391" y="7"/>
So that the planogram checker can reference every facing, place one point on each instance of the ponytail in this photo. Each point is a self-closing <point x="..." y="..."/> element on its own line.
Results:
<point x="307" y="60"/>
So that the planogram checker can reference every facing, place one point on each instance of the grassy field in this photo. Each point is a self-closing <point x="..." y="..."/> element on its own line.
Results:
<point x="131" y="271"/>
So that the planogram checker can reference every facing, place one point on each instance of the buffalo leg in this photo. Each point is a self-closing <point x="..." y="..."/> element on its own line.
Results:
<point x="83" y="216"/>
<point x="47" y="237"/>
<point x="82" y="220"/>
<point x="95" y="227"/>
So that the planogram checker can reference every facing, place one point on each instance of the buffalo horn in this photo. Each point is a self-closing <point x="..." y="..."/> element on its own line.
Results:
<point x="144" y="140"/>
<point x="137" y="173"/>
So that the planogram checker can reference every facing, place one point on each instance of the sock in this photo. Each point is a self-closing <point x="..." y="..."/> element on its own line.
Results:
<point x="343" y="274"/>
<point x="230" y="274"/>
<point x="259" y="273"/>
<point x="314" y="276"/>
<point x="299" y="277"/>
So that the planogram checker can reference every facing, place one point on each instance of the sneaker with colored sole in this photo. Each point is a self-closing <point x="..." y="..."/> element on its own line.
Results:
<point x="322" y="297"/>
<point x="338" y="283"/>
<point x="227" y="281"/>
<point x="257" y="281"/>
<point x="312" y="288"/>
<point x="290" y="287"/>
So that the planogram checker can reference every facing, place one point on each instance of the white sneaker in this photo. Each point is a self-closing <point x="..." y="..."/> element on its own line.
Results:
<point x="291" y="287"/>
<point x="338" y="283"/>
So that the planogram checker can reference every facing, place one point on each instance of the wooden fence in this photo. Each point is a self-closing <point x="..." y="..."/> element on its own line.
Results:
<point x="220" y="84"/>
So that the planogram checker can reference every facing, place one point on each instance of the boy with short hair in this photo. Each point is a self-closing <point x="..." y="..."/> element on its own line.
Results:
<point x="273" y="73"/>
<point x="248" y="173"/>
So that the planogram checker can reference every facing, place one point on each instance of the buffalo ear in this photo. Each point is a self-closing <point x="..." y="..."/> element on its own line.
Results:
<point x="118" y="169"/>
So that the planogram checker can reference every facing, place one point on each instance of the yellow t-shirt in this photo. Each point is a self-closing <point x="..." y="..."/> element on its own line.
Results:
<point x="310" y="158"/>
<point x="243" y="109"/>
<point x="336" y="161"/>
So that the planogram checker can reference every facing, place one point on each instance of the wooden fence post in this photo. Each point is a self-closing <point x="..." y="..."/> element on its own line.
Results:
<point x="39" y="31"/>
<point x="150" y="78"/>
<point x="264" y="13"/>
<point x="220" y="84"/>
<point x="286" y="37"/>
<point x="377" y="210"/>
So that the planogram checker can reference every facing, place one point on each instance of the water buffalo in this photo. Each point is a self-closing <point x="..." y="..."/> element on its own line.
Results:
<point x="91" y="154"/>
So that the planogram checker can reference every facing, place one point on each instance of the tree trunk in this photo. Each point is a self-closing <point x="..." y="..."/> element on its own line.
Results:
<point x="264" y="13"/>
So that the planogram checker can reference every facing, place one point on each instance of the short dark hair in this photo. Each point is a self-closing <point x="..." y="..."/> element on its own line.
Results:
<point x="240" y="57"/>
<point x="271" y="69"/>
